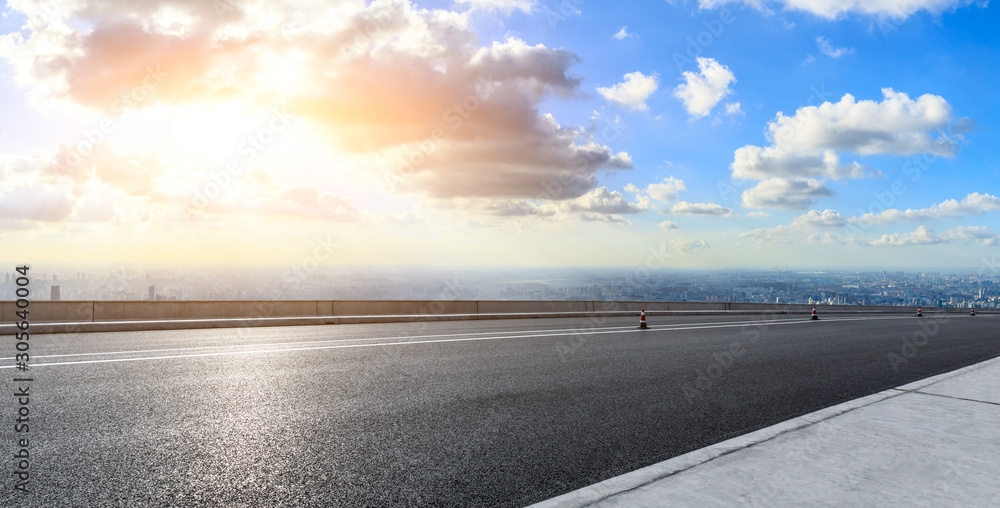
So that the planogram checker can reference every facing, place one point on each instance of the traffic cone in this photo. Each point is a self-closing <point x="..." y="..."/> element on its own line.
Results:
<point x="973" y="312"/>
<point x="642" y="320"/>
<point x="814" y="316"/>
<point x="919" y="314"/>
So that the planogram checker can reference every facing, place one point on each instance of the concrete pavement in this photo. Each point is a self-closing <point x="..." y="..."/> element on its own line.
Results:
<point x="934" y="442"/>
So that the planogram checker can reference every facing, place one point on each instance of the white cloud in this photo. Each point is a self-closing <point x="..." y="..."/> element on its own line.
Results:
<point x="922" y="236"/>
<point x="668" y="225"/>
<point x="972" y="204"/>
<point x="826" y="47"/>
<point x="800" y="228"/>
<point x="806" y="145"/>
<point x="602" y="217"/>
<point x="35" y="203"/>
<point x="778" y="235"/>
<point x="510" y="208"/>
<point x="505" y="6"/>
<point x="898" y="9"/>
<point x="702" y="90"/>
<point x="815" y="218"/>
<point x="684" y="245"/>
<point x="685" y="208"/>
<point x="598" y="205"/>
<point x="925" y="236"/>
<point x="826" y="239"/>
<point x="754" y="162"/>
<point x="804" y="225"/>
<point x="623" y="34"/>
<point x="665" y="190"/>
<point x="734" y="109"/>
<point x="401" y="73"/>
<point x="304" y="202"/>
<point x="603" y="201"/>
<point x="897" y="125"/>
<point x="981" y="234"/>
<point x="633" y="92"/>
<point x="132" y="187"/>
<point x="794" y="194"/>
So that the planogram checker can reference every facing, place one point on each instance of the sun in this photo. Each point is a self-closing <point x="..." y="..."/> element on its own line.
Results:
<point x="282" y="73"/>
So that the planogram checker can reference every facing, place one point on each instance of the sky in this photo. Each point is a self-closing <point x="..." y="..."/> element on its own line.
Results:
<point x="685" y="134"/>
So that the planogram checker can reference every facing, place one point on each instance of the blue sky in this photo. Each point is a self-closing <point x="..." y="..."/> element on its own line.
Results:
<point x="708" y="134"/>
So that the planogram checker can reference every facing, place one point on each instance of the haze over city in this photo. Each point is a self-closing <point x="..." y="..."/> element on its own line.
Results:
<point x="884" y="288"/>
<point x="811" y="134"/>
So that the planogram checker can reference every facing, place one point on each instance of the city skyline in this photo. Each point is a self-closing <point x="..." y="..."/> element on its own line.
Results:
<point x="709" y="134"/>
<point x="836" y="287"/>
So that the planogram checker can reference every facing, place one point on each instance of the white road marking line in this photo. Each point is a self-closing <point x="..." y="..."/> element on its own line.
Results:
<point x="467" y="339"/>
<point x="401" y="337"/>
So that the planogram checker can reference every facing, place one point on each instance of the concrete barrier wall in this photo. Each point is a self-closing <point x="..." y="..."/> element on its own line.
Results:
<point x="240" y="309"/>
<point x="523" y="307"/>
<point x="109" y="311"/>
<point x="697" y="306"/>
<point x="637" y="306"/>
<point x="764" y="307"/>
<point x="140" y="311"/>
<point x="50" y="311"/>
<point x="98" y="311"/>
<point x="402" y="307"/>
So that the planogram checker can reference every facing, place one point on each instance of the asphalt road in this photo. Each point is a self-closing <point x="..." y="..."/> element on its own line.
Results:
<point x="475" y="413"/>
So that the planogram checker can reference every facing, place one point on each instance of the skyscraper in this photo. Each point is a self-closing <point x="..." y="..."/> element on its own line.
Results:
<point x="55" y="294"/>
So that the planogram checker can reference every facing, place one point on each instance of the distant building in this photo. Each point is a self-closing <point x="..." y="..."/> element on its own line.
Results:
<point x="55" y="294"/>
<point x="152" y="293"/>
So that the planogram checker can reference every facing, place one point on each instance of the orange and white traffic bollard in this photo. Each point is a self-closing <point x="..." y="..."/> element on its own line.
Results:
<point x="973" y="312"/>
<point x="642" y="320"/>
<point x="814" y="316"/>
<point x="919" y="314"/>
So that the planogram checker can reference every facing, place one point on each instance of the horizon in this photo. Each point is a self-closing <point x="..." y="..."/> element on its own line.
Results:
<point x="707" y="136"/>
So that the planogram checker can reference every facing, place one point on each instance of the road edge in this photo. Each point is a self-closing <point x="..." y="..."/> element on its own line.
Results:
<point x="636" y="479"/>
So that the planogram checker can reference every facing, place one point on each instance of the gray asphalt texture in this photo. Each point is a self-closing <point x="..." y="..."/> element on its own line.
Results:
<point x="504" y="422"/>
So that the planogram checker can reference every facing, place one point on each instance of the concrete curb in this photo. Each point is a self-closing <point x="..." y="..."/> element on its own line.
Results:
<point x="189" y="324"/>
<point x="656" y="472"/>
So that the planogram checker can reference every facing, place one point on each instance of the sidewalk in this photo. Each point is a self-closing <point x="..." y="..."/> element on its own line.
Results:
<point x="935" y="442"/>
